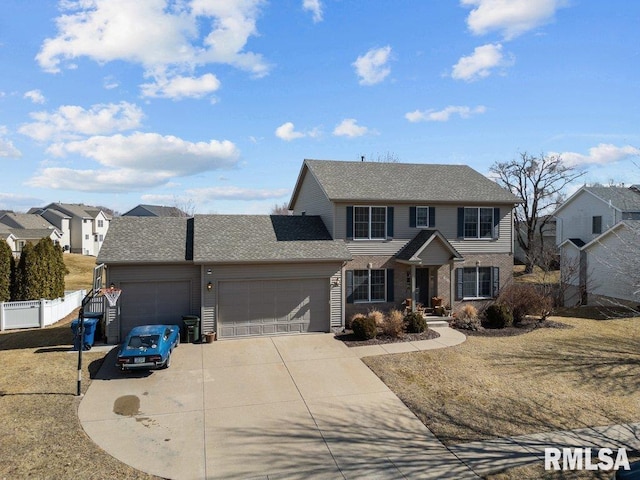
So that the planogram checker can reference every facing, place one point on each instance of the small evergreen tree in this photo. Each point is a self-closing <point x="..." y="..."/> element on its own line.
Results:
<point x="25" y="282"/>
<point x="5" y="271"/>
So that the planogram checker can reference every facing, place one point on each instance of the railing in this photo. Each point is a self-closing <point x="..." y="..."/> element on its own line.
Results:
<point x="38" y="313"/>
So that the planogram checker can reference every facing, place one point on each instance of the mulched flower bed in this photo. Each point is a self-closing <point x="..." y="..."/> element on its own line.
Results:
<point x="350" y="339"/>
<point x="526" y="326"/>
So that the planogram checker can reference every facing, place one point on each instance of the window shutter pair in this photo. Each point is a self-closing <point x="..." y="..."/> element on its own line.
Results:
<point x="350" y="222"/>
<point x="390" y="289"/>
<point x="496" y="222"/>
<point x="413" y="217"/>
<point x="495" y="286"/>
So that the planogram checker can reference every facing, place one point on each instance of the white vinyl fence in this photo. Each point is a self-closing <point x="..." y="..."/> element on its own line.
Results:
<point x="38" y="313"/>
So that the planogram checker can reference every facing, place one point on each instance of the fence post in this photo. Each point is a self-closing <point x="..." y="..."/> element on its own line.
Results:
<point x="1" y="316"/>
<point x="42" y="315"/>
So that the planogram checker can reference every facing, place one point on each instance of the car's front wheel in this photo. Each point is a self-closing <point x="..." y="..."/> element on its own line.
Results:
<point x="167" y="362"/>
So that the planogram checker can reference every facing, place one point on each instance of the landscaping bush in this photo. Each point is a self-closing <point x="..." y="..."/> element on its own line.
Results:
<point x="377" y="316"/>
<point x="349" y="323"/>
<point x="467" y="319"/>
<point x="498" y="316"/>
<point x="525" y="299"/>
<point x="364" y="328"/>
<point x="393" y="324"/>
<point x="415" y="323"/>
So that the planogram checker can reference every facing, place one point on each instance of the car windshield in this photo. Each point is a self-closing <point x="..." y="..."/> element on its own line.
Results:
<point x="144" y="341"/>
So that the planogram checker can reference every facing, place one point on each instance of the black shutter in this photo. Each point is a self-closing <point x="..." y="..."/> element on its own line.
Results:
<point x="350" y="223"/>
<point x="432" y="217"/>
<point x="461" y="222"/>
<point x="496" y="223"/>
<point x="390" y="285"/>
<point x="412" y="216"/>
<point x="349" y="275"/>
<point x="389" y="222"/>
<point x="496" y="281"/>
<point x="459" y="284"/>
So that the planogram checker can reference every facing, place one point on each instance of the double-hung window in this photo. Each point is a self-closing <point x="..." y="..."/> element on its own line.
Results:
<point x="596" y="225"/>
<point x="369" y="285"/>
<point x="369" y="223"/>
<point x="477" y="282"/>
<point x="422" y="216"/>
<point x="479" y="222"/>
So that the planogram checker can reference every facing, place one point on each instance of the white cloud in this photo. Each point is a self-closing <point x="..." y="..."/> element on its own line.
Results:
<point x="602" y="154"/>
<point x="480" y="63"/>
<point x="181" y="87"/>
<point x="152" y="151"/>
<point x="372" y="67"/>
<point x="168" y="38"/>
<point x="134" y="162"/>
<point x="7" y="149"/>
<point x="349" y="128"/>
<point x="35" y="96"/>
<point x="236" y="193"/>
<point x="70" y="121"/>
<point x="315" y="7"/>
<point x="510" y="17"/>
<point x="12" y="201"/>
<point x="287" y="132"/>
<point x="445" y="114"/>
<point x="109" y="83"/>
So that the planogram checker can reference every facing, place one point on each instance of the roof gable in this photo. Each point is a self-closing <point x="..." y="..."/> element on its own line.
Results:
<point x="403" y="182"/>
<point x="411" y="251"/>
<point x="621" y="198"/>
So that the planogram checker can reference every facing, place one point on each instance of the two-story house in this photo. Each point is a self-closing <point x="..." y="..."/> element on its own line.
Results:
<point x="598" y="230"/>
<point x="18" y="229"/>
<point x="87" y="226"/>
<point x="363" y="235"/>
<point x="415" y="231"/>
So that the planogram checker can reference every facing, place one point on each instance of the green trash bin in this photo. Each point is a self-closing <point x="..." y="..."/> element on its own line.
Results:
<point x="191" y="328"/>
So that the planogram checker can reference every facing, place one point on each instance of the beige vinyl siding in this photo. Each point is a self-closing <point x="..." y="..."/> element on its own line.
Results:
<point x="575" y="218"/>
<point x="328" y="271"/>
<point x="435" y="254"/>
<point x="123" y="274"/>
<point x="446" y="223"/>
<point x="313" y="201"/>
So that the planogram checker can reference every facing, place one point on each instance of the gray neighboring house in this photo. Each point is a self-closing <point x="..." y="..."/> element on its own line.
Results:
<point x="18" y="229"/>
<point x="87" y="225"/>
<point x="241" y="274"/>
<point x="597" y="233"/>
<point x="154" y="211"/>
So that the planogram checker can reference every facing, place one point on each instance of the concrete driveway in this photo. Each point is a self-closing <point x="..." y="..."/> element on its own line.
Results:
<point x="287" y="407"/>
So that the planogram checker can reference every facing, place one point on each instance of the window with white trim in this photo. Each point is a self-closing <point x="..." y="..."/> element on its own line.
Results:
<point x="476" y="282"/>
<point x="370" y="223"/>
<point x="478" y="222"/>
<point x="369" y="285"/>
<point x="100" y="223"/>
<point x="422" y="216"/>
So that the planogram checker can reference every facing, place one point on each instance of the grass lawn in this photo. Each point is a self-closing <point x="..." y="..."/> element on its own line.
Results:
<point x="40" y="435"/>
<point x="548" y="379"/>
<point x="80" y="268"/>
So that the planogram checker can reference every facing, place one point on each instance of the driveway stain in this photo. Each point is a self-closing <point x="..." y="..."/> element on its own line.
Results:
<point x="127" y="405"/>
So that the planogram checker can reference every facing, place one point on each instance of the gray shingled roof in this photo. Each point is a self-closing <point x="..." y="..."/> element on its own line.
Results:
<point x="623" y="198"/>
<point x="29" y="220"/>
<point x="32" y="233"/>
<point x="374" y="181"/>
<point x="411" y="248"/>
<point x="147" y="240"/>
<point x="219" y="239"/>
<point x="264" y="238"/>
<point x="159" y="211"/>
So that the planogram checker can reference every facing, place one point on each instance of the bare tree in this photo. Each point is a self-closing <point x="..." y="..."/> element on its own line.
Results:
<point x="281" y="209"/>
<point x="387" y="157"/>
<point x="540" y="183"/>
<point x="185" y="207"/>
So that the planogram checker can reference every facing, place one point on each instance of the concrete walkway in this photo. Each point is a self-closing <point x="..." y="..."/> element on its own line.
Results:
<point x="286" y="407"/>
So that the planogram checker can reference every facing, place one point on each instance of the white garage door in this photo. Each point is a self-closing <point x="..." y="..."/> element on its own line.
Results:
<point x="143" y="303"/>
<point x="263" y="307"/>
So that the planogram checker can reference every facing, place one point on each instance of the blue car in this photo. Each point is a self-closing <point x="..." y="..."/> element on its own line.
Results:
<point x="148" y="346"/>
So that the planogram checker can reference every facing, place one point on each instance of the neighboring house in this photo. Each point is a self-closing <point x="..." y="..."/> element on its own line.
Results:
<point x="87" y="225"/>
<point x="154" y="211"/>
<point x="548" y="254"/>
<point x="597" y="234"/>
<point x="363" y="235"/>
<point x="21" y="228"/>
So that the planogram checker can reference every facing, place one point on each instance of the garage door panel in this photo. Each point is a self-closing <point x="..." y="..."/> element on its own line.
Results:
<point x="264" y="307"/>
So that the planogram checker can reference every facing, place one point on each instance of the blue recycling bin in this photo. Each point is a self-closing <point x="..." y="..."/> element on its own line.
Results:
<point x="89" y="332"/>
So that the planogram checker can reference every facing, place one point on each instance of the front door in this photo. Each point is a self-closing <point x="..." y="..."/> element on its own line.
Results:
<point x="422" y="285"/>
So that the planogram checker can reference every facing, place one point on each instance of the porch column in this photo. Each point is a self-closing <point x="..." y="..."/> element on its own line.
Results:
<point x="452" y="286"/>
<point x="413" y="288"/>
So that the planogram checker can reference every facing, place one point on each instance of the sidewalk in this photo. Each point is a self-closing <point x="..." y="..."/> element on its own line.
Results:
<point x="448" y="338"/>
<point x="492" y="456"/>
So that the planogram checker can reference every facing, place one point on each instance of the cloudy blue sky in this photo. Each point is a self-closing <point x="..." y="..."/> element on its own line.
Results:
<point x="215" y="103"/>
